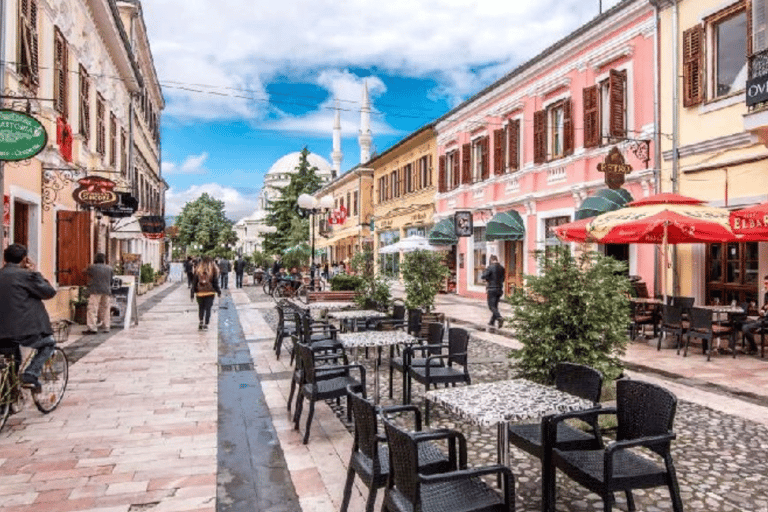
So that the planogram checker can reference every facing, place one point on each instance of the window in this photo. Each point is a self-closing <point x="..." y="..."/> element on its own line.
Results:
<point x="452" y="174"/>
<point x="480" y="253"/>
<point x="354" y="203"/>
<point x="479" y="160"/>
<point x="85" y="106"/>
<point x="112" y="140"/>
<point x="730" y="52"/>
<point x="408" y="178"/>
<point x="550" y="239"/>
<point x="512" y="157"/>
<point x="123" y="153"/>
<point x="553" y="132"/>
<point x="393" y="183"/>
<point x="605" y="110"/>
<point x="60" y="75"/>
<point x="100" y="127"/>
<point x="759" y="25"/>
<point x="732" y="272"/>
<point x="27" y="59"/>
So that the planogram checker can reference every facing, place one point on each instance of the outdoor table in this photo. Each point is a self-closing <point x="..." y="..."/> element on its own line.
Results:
<point x="355" y="315"/>
<point x="646" y="300"/>
<point x="721" y="309"/>
<point x="377" y="339"/>
<point x="508" y="401"/>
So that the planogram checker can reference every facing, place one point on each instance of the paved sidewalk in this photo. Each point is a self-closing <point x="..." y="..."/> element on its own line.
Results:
<point x="136" y="430"/>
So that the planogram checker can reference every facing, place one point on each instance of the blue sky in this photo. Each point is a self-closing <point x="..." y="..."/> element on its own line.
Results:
<point x="247" y="82"/>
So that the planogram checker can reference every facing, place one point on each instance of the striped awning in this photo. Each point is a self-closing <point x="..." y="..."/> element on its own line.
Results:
<point x="443" y="233"/>
<point x="606" y="200"/>
<point x="505" y="226"/>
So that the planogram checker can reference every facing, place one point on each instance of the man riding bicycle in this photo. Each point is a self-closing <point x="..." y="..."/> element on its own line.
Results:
<point x="23" y="317"/>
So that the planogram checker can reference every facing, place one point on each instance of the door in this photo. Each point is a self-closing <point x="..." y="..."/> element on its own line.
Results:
<point x="73" y="234"/>
<point x="513" y="264"/>
<point x="732" y="272"/>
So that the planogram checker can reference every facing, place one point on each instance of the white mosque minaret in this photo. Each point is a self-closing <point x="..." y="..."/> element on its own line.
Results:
<point x="337" y="155"/>
<point x="365" y="139"/>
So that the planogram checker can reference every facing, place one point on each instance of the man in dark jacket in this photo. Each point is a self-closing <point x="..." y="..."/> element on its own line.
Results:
<point x="224" y="269"/>
<point x="24" y="318"/>
<point x="494" y="276"/>
<point x="239" y="271"/>
<point x="189" y="268"/>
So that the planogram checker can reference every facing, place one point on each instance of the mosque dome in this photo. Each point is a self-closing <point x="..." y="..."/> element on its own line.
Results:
<point x="287" y="164"/>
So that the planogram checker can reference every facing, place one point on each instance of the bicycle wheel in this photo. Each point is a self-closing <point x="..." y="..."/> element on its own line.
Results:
<point x="5" y="392"/>
<point x="301" y="293"/>
<point x="53" y="379"/>
<point x="265" y="287"/>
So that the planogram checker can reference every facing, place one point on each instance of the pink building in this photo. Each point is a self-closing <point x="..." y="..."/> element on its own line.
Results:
<point x="523" y="155"/>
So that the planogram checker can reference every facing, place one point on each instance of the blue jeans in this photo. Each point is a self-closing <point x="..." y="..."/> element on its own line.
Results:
<point x="224" y="280"/>
<point x="44" y="346"/>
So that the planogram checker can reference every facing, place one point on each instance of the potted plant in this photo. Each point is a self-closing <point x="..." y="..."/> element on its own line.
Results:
<point x="423" y="274"/>
<point x="80" y="306"/>
<point x="373" y="291"/>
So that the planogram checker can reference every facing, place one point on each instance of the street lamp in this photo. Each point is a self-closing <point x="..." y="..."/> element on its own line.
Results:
<point x="313" y="206"/>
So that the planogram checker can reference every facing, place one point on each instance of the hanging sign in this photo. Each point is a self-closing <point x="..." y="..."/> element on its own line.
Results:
<point x="125" y="206"/>
<point x="95" y="192"/>
<point x="463" y="223"/>
<point x="21" y="136"/>
<point x="614" y="168"/>
<point x="152" y="226"/>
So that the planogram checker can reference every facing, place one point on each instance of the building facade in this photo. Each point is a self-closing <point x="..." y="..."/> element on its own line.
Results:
<point x="715" y="133"/>
<point x="523" y="155"/>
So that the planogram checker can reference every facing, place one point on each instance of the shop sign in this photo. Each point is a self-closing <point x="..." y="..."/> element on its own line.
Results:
<point x="386" y="223"/>
<point x="757" y="90"/>
<point x="418" y="216"/>
<point x="21" y="136"/>
<point x="95" y="192"/>
<point x="125" y="207"/>
<point x="615" y="168"/>
<point x="152" y="226"/>
<point x="463" y="223"/>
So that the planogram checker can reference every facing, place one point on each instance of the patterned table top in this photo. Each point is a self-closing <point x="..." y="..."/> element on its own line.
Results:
<point x="358" y="313"/>
<point x="514" y="400"/>
<point x="374" y="338"/>
<point x="723" y="308"/>
<point x="329" y="305"/>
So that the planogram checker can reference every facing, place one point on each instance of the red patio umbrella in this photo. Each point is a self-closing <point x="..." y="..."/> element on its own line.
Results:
<point x="751" y="224"/>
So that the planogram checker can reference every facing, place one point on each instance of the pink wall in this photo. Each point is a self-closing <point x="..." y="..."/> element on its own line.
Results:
<point x="557" y="188"/>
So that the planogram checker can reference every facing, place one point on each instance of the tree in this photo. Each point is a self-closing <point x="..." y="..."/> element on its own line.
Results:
<point x="576" y="310"/>
<point x="283" y="212"/>
<point x="423" y="273"/>
<point x="203" y="222"/>
<point x="373" y="291"/>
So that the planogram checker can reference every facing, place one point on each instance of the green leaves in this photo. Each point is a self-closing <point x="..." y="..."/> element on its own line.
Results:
<point x="203" y="222"/>
<point x="576" y="310"/>
<point x="423" y="273"/>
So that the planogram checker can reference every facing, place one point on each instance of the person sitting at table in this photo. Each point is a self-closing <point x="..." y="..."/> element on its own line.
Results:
<point x="295" y="278"/>
<point x="749" y="328"/>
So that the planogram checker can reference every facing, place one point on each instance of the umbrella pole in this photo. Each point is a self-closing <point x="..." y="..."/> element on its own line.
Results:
<point x="665" y="245"/>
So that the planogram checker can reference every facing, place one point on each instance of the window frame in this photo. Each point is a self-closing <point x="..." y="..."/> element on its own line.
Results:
<point x="100" y="124"/>
<point x="60" y="74"/>
<point x="710" y="27"/>
<point x="85" y="105"/>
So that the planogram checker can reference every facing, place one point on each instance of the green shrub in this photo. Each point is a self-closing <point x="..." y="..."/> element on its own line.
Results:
<point x="423" y="273"/>
<point x="575" y="310"/>
<point x="147" y="274"/>
<point x="373" y="291"/>
<point x="345" y="282"/>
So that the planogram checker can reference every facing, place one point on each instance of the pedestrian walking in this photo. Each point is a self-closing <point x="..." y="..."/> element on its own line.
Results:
<point x="189" y="268"/>
<point x="494" y="276"/>
<point x="239" y="271"/>
<point x="224" y="270"/>
<point x="205" y="286"/>
<point x="99" y="294"/>
<point x="326" y="276"/>
<point x="25" y="320"/>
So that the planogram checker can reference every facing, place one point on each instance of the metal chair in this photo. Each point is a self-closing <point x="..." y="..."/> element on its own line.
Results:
<point x="432" y="374"/>
<point x="409" y="489"/>
<point x="645" y="414"/>
<point x="703" y="328"/>
<point x="370" y="455"/>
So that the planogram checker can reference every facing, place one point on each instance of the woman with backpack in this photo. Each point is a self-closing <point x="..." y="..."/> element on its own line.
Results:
<point x="205" y="285"/>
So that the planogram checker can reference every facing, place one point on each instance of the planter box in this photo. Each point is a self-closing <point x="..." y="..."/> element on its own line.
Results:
<point x="142" y="289"/>
<point x="81" y="314"/>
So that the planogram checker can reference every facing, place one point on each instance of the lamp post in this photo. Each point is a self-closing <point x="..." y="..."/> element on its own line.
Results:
<point x="313" y="206"/>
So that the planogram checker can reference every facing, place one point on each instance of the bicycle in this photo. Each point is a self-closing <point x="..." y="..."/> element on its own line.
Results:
<point x="53" y="377"/>
<point x="284" y="289"/>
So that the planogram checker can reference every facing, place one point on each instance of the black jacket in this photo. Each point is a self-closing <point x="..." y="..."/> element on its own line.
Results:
<point x="494" y="275"/>
<point x="239" y="266"/>
<point x="22" y="313"/>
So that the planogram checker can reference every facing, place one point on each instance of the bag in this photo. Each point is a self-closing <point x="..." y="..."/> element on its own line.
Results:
<point x="204" y="283"/>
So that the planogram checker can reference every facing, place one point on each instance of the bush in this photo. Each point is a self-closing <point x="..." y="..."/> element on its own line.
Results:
<point x="345" y="282"/>
<point x="147" y="273"/>
<point x="576" y="310"/>
<point x="423" y="274"/>
<point x="374" y="291"/>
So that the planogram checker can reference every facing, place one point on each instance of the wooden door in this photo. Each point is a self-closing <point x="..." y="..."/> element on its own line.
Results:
<point x="73" y="233"/>
<point x="513" y="264"/>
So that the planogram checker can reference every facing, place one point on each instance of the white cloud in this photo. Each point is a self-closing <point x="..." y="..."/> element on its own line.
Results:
<point x="242" y="45"/>
<point x="193" y="164"/>
<point x="236" y="204"/>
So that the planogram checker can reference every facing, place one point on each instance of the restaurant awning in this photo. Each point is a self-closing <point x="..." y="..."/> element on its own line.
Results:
<point x="606" y="200"/>
<point x="505" y="226"/>
<point x="127" y="228"/>
<point x="443" y="233"/>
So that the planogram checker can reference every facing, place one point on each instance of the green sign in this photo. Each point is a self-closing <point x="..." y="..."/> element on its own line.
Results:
<point x="21" y="136"/>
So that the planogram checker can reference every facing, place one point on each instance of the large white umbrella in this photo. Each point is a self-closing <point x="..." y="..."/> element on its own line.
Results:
<point x="409" y="244"/>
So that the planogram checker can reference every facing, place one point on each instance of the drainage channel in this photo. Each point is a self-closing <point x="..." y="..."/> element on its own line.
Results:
<point x="252" y="472"/>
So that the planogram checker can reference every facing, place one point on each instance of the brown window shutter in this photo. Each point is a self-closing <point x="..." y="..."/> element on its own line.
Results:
<point x="498" y="152"/>
<point x="34" y="41"/>
<point x="429" y="172"/>
<point x="85" y="107"/>
<point x="112" y="139"/>
<point x="73" y="247"/>
<point x="485" y="168"/>
<point x="618" y="86"/>
<point x="441" y="178"/>
<point x="61" y="74"/>
<point x="568" y="142"/>
<point x="466" y="163"/>
<point x="513" y="143"/>
<point x="592" y="116"/>
<point x="693" y="66"/>
<point x="540" y="136"/>
<point x="456" y="170"/>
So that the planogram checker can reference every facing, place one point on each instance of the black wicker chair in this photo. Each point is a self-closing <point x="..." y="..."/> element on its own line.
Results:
<point x="645" y="414"/>
<point x="408" y="489"/>
<point x="286" y="326"/>
<point x="431" y="374"/>
<point x="703" y="328"/>
<point x="436" y="332"/>
<point x="672" y="324"/>
<point x="578" y="380"/>
<point x="323" y="385"/>
<point x="370" y="454"/>
<point x="642" y="315"/>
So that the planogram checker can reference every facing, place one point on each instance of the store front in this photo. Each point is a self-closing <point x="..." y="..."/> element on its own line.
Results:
<point x="732" y="273"/>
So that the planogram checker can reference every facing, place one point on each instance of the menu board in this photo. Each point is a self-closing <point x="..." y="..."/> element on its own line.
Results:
<point x="132" y="265"/>
<point x="124" y="308"/>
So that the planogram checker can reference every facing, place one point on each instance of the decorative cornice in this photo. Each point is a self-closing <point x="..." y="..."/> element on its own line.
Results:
<point x="718" y="144"/>
<point x="599" y="61"/>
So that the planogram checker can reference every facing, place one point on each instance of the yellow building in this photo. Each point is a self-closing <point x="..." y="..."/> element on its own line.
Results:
<point x="345" y="230"/>
<point x="404" y="186"/>
<point x="713" y="146"/>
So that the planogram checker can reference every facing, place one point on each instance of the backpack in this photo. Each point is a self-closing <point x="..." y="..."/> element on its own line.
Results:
<point x="204" y="283"/>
